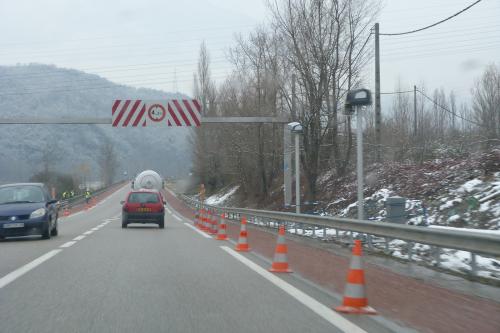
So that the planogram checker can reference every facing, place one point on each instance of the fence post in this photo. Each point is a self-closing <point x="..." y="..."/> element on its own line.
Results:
<point x="473" y="265"/>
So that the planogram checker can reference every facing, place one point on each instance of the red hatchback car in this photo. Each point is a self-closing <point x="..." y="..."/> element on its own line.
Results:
<point x="143" y="206"/>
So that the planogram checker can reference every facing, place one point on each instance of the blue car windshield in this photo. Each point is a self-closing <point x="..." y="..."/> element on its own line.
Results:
<point x="21" y="194"/>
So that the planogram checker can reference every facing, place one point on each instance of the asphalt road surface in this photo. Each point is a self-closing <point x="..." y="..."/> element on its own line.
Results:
<point x="98" y="277"/>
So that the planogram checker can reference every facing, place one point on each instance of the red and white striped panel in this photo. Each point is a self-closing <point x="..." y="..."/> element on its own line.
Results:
<point x="134" y="113"/>
<point x="125" y="113"/>
<point x="183" y="112"/>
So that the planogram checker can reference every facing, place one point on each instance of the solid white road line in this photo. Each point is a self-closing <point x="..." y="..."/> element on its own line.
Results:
<point x="88" y="232"/>
<point x="198" y="231"/>
<point x="323" y="311"/>
<point x="168" y="210"/>
<point x="95" y="229"/>
<point x="68" y="244"/>
<point x="177" y="217"/>
<point x="79" y="238"/>
<point x="26" y="268"/>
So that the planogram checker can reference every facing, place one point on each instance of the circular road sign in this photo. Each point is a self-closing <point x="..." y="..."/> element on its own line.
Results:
<point x="156" y="112"/>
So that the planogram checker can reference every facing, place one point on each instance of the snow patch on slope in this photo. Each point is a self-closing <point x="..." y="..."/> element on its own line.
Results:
<point x="220" y="198"/>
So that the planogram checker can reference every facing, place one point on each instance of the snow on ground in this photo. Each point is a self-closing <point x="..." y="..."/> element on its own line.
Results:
<point x="220" y="198"/>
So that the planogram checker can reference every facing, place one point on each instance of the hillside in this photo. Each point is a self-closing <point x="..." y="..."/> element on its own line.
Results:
<point x="456" y="192"/>
<point x="48" y="91"/>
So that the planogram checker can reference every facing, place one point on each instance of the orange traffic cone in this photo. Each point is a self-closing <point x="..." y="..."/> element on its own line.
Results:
<point x="222" y="235"/>
<point x="242" y="245"/>
<point x="196" y="217"/>
<point x="66" y="211"/>
<point x="280" y="262"/>
<point x="212" y="227"/>
<point x="203" y="220"/>
<point x="355" y="300"/>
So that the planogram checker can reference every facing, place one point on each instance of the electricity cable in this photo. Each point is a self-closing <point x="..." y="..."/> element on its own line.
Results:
<point x="432" y="25"/>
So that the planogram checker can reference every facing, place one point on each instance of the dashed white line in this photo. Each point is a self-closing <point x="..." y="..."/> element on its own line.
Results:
<point x="168" y="210"/>
<point x="12" y="276"/>
<point x="198" y="231"/>
<point x="88" y="232"/>
<point x="78" y="238"/>
<point x="95" y="229"/>
<point x="320" y="309"/>
<point x="177" y="217"/>
<point x="68" y="244"/>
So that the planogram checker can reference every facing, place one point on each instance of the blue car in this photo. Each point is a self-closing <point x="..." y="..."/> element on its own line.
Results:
<point x="27" y="209"/>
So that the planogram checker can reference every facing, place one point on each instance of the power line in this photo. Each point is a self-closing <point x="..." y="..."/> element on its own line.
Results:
<point x="449" y="111"/>
<point x="108" y="86"/>
<point x="432" y="25"/>
<point x="149" y="35"/>
<point x="396" y="92"/>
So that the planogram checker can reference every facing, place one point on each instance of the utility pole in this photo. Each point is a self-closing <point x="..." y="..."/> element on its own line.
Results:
<point x="297" y="173"/>
<point x="415" y="111"/>
<point x="294" y="99"/>
<point x="359" y="163"/>
<point x="378" y="116"/>
<point x="287" y="166"/>
<point x="287" y="154"/>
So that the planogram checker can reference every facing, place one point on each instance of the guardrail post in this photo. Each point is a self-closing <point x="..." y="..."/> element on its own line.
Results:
<point x="369" y="241"/>
<point x="473" y="265"/>
<point x="324" y="233"/>
<point x="410" y="251"/>
<point x="387" y="240"/>
<point x="437" y="255"/>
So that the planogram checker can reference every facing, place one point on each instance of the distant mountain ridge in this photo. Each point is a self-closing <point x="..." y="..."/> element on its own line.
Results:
<point x="47" y="91"/>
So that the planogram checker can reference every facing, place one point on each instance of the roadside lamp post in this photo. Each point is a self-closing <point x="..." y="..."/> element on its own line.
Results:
<point x="354" y="102"/>
<point x="296" y="128"/>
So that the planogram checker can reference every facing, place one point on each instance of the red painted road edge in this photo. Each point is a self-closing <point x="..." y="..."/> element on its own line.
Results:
<point x="412" y="302"/>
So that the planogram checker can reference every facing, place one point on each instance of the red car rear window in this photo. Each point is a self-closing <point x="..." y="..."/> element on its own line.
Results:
<point x="143" y="198"/>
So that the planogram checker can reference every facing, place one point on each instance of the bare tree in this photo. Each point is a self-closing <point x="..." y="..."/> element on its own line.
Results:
<point x="321" y="38"/>
<point x="108" y="162"/>
<point x="486" y="103"/>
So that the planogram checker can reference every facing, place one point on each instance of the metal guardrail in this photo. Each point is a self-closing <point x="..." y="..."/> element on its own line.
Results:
<point x="475" y="243"/>
<point x="80" y="199"/>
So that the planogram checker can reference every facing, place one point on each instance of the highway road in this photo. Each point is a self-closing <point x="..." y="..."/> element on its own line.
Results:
<point x="98" y="277"/>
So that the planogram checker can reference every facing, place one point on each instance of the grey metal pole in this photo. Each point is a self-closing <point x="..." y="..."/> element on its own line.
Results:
<point x="294" y="99"/>
<point x="415" y="110"/>
<point x="297" y="173"/>
<point x="378" y="114"/>
<point x="359" y="162"/>
<point x="287" y="165"/>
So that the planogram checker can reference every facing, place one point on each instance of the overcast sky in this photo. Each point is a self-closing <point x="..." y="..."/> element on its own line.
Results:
<point x="155" y="43"/>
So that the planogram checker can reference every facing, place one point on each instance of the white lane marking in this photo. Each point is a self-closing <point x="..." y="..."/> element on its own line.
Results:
<point x="78" y="238"/>
<point x="323" y="311"/>
<point x="94" y="229"/>
<point x="177" y="217"/>
<point x="168" y="210"/>
<point x="68" y="244"/>
<point x="198" y="231"/>
<point x="88" y="232"/>
<point x="12" y="276"/>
